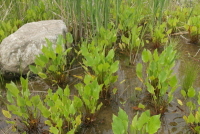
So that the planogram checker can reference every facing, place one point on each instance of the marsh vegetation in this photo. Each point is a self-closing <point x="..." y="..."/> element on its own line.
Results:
<point x="132" y="67"/>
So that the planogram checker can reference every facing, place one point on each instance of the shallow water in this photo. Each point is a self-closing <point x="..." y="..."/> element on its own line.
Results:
<point x="127" y="97"/>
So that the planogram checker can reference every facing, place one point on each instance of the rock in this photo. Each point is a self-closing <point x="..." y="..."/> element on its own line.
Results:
<point x="19" y="49"/>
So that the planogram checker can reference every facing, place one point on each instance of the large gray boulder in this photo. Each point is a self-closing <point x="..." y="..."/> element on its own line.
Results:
<point x="19" y="49"/>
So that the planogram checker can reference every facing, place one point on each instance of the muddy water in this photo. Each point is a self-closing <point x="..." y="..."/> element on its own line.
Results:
<point x="127" y="97"/>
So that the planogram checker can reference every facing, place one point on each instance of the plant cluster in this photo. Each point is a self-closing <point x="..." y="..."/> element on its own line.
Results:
<point x="145" y="123"/>
<point x="52" y="63"/>
<point x="130" y="30"/>
<point x="8" y="27"/>
<point x="24" y="106"/>
<point x="102" y="65"/>
<point x="192" y="117"/>
<point x="160" y="81"/>
<point x="193" y="28"/>
<point x="61" y="112"/>
<point x="89" y="94"/>
<point x="159" y="34"/>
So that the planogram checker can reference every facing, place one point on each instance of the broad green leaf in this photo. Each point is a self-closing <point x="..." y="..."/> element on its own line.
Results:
<point x="139" y="70"/>
<point x="110" y="55"/>
<point x="191" y="118"/>
<point x="53" y="68"/>
<point x="54" y="130"/>
<point x="71" y="131"/>
<point x="59" y="123"/>
<point x="72" y="110"/>
<point x="33" y="69"/>
<point x="69" y="38"/>
<point x="87" y="79"/>
<point x="13" y="89"/>
<point x="191" y="92"/>
<point x="48" y="122"/>
<point x="45" y="112"/>
<point x="155" y="55"/>
<point x="125" y="40"/>
<point x="154" y="124"/>
<point x="141" y="106"/>
<point x="183" y="93"/>
<point x="114" y="90"/>
<point x="21" y="101"/>
<point x="42" y="75"/>
<point x="173" y="81"/>
<point x="78" y="120"/>
<point x="28" y="103"/>
<point x="169" y="31"/>
<point x="143" y="119"/>
<point x="117" y="126"/>
<point x="59" y="49"/>
<point x="190" y="105"/>
<point x="9" y="97"/>
<point x="35" y="100"/>
<point x="24" y="84"/>
<point x="113" y="79"/>
<point x="146" y="55"/>
<point x="66" y="91"/>
<point x="11" y="122"/>
<point x="100" y="67"/>
<point x="134" y="125"/>
<point x="150" y="88"/>
<point x="12" y="108"/>
<point x="114" y="67"/>
<point x="6" y="113"/>
<point x="39" y="62"/>
<point x="44" y="58"/>
<point x="162" y="76"/>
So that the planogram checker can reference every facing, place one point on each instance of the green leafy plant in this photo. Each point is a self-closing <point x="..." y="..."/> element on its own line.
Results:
<point x="145" y="123"/>
<point x="132" y="43"/>
<point x="160" y="81"/>
<point x="120" y="123"/>
<point x="130" y="28"/>
<point x="157" y="10"/>
<point x="192" y="101"/>
<point x="62" y="113"/>
<point x="89" y="94"/>
<point x="173" y="23"/>
<point x="107" y="36"/>
<point x="8" y="27"/>
<point x="159" y="34"/>
<point x="190" y="74"/>
<point x="37" y="12"/>
<point x="193" y="27"/>
<point x="24" y="107"/>
<point x="52" y="64"/>
<point x="103" y="66"/>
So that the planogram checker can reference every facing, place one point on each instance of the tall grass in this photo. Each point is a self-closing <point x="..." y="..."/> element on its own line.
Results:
<point x="191" y="71"/>
<point x="157" y="9"/>
<point x="83" y="17"/>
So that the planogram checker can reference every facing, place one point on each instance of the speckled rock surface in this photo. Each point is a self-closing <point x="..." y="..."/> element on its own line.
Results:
<point x="18" y="50"/>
